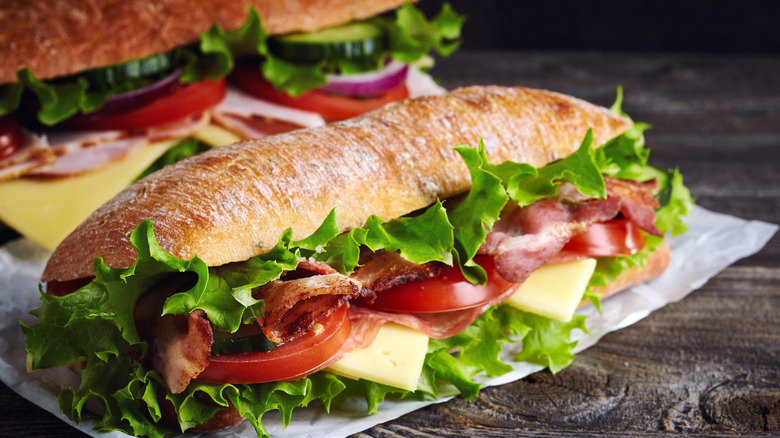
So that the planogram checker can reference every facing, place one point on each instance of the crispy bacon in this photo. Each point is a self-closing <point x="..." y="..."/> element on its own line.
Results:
<point x="525" y="238"/>
<point x="292" y="307"/>
<point x="307" y="268"/>
<point x="181" y="348"/>
<point x="382" y="270"/>
<point x="636" y="201"/>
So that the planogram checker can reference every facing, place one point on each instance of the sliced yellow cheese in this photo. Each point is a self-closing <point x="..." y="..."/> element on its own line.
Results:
<point x="554" y="290"/>
<point x="395" y="358"/>
<point x="47" y="210"/>
<point x="214" y="135"/>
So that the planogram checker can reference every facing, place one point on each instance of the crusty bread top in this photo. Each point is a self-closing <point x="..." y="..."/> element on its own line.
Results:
<point x="57" y="38"/>
<point x="233" y="202"/>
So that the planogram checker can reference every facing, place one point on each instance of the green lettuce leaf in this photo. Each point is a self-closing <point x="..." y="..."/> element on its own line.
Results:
<point x="220" y="48"/>
<point x="62" y="100"/>
<point x="479" y="209"/>
<point x="548" y="342"/>
<point x="420" y="239"/>
<point x="625" y="156"/>
<point x="676" y="203"/>
<point x="413" y="36"/>
<point x="526" y="185"/>
<point x="226" y="293"/>
<point x="184" y="149"/>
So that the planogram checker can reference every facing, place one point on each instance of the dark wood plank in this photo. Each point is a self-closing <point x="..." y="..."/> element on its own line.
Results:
<point x="706" y="366"/>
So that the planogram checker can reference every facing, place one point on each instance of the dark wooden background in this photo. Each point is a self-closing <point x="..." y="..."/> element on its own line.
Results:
<point x="711" y="26"/>
<point x="706" y="366"/>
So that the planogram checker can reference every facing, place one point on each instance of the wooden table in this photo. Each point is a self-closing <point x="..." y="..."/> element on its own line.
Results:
<point x="709" y="365"/>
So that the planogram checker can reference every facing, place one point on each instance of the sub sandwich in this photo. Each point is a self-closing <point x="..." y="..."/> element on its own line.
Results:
<point x="94" y="95"/>
<point x="387" y="256"/>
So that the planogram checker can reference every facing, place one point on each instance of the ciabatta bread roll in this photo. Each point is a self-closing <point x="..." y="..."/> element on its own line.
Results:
<point x="233" y="202"/>
<point x="60" y="38"/>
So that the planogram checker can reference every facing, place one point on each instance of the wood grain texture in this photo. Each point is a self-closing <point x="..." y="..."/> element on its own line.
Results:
<point x="706" y="366"/>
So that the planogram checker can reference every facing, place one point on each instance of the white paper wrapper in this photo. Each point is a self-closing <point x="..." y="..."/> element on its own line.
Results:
<point x="714" y="242"/>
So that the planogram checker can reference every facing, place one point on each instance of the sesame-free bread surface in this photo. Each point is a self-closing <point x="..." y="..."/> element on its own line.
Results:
<point x="57" y="38"/>
<point x="233" y="202"/>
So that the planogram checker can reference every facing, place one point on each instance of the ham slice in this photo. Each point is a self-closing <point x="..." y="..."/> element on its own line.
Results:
<point x="78" y="152"/>
<point x="237" y="111"/>
<point x="245" y="115"/>
<point x="33" y="154"/>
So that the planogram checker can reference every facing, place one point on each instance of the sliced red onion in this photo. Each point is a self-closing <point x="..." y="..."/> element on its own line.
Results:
<point x="133" y="99"/>
<point x="367" y="84"/>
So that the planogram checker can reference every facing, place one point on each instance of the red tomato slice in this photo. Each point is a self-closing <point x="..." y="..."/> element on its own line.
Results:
<point x="62" y="288"/>
<point x="11" y="138"/>
<point x="191" y="99"/>
<point x="287" y="361"/>
<point x="607" y="239"/>
<point x="448" y="291"/>
<point x="330" y="106"/>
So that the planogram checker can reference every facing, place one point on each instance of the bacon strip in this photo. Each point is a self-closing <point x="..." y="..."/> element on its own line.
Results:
<point x="382" y="270"/>
<point x="181" y="348"/>
<point x="523" y="239"/>
<point x="293" y="306"/>
<point x="637" y="201"/>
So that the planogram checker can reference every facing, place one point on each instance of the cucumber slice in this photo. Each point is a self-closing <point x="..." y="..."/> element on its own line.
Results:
<point x="133" y="74"/>
<point x="349" y="41"/>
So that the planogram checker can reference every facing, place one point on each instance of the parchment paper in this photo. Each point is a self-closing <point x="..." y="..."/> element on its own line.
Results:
<point x="714" y="242"/>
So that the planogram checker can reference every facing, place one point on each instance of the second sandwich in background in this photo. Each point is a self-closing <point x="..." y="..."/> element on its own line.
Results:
<point x="98" y="94"/>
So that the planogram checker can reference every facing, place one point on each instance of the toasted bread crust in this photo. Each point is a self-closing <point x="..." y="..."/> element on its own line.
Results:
<point x="57" y="38"/>
<point x="655" y="265"/>
<point x="233" y="202"/>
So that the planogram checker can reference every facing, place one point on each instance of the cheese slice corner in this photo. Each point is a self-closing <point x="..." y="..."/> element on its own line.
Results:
<point x="554" y="290"/>
<point x="214" y="136"/>
<point x="395" y="358"/>
<point x="47" y="210"/>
